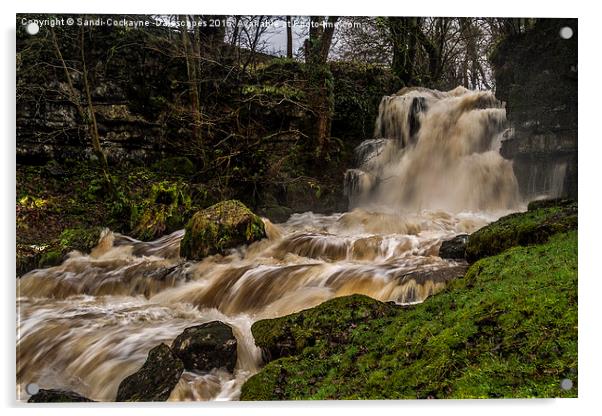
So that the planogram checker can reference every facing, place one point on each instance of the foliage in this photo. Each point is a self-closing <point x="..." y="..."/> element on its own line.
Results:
<point x="177" y="165"/>
<point x="164" y="210"/>
<point x="358" y="89"/>
<point x="80" y="239"/>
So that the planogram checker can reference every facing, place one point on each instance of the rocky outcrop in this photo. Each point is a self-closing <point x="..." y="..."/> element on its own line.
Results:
<point x="220" y="227"/>
<point x="57" y="396"/>
<point x="455" y="248"/>
<point x="207" y="346"/>
<point x="535" y="226"/>
<point x="155" y="380"/>
<point x="332" y="321"/>
<point x="536" y="76"/>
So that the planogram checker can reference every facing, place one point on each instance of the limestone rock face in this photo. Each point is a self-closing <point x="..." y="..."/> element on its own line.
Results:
<point x="222" y="226"/>
<point x="207" y="346"/>
<point x="536" y="76"/>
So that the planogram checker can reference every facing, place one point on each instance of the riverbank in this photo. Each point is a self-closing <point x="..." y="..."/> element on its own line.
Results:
<point x="64" y="207"/>
<point x="507" y="329"/>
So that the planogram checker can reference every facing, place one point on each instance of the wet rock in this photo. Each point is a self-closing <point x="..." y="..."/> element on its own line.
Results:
<point x="421" y="284"/>
<point x="57" y="396"/>
<point x="155" y="380"/>
<point x="207" y="346"/>
<point x="536" y="76"/>
<point x="455" y="248"/>
<point x="222" y="226"/>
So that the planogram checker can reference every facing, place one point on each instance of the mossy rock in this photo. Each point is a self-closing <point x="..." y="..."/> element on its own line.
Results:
<point x="161" y="212"/>
<point x="155" y="380"/>
<point x="534" y="226"/>
<point x="507" y="330"/>
<point x="220" y="227"/>
<point x="549" y="203"/>
<point x="332" y="322"/>
<point x="53" y="254"/>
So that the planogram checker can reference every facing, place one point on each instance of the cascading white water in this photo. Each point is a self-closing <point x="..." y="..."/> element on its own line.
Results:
<point x="431" y="173"/>
<point x="435" y="150"/>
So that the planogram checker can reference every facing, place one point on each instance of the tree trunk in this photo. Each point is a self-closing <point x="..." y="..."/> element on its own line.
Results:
<point x="191" y="55"/>
<point x="289" y="38"/>
<point x="321" y="89"/>
<point x="87" y="113"/>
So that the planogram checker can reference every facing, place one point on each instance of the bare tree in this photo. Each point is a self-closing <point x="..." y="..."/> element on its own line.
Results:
<point x="191" y="51"/>
<point x="289" y="37"/>
<point x="321" y="90"/>
<point x="85" y="109"/>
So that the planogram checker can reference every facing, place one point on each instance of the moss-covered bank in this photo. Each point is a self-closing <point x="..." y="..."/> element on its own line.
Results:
<point x="542" y="220"/>
<point x="508" y="329"/>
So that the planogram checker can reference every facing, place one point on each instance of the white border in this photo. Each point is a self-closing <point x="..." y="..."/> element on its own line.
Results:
<point x="589" y="68"/>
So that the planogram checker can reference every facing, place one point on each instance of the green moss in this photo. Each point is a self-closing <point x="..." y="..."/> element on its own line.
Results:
<point x="50" y="258"/>
<point x="332" y="322"/>
<point x="162" y="211"/>
<point x="82" y="239"/>
<point x="220" y="227"/>
<point x="524" y="228"/>
<point x="52" y="254"/>
<point x="509" y="329"/>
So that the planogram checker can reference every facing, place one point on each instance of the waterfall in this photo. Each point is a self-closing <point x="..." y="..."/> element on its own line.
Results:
<point x="435" y="150"/>
<point x="431" y="172"/>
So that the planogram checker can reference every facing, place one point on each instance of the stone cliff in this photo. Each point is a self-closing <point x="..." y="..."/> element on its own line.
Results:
<point x="536" y="76"/>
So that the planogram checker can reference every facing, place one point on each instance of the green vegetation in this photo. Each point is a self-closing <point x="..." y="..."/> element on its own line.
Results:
<point x="161" y="211"/>
<point x="225" y="225"/>
<point x="63" y="208"/>
<point x="532" y="227"/>
<point x="509" y="329"/>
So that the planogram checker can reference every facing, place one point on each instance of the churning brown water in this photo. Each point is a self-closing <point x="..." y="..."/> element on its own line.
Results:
<point x="87" y="324"/>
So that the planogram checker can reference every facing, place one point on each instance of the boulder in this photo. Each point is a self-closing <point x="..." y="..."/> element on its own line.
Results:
<point x="57" y="396"/>
<point x="207" y="346"/>
<point x="455" y="248"/>
<point x="222" y="226"/>
<point x="155" y="380"/>
<point x="331" y="322"/>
